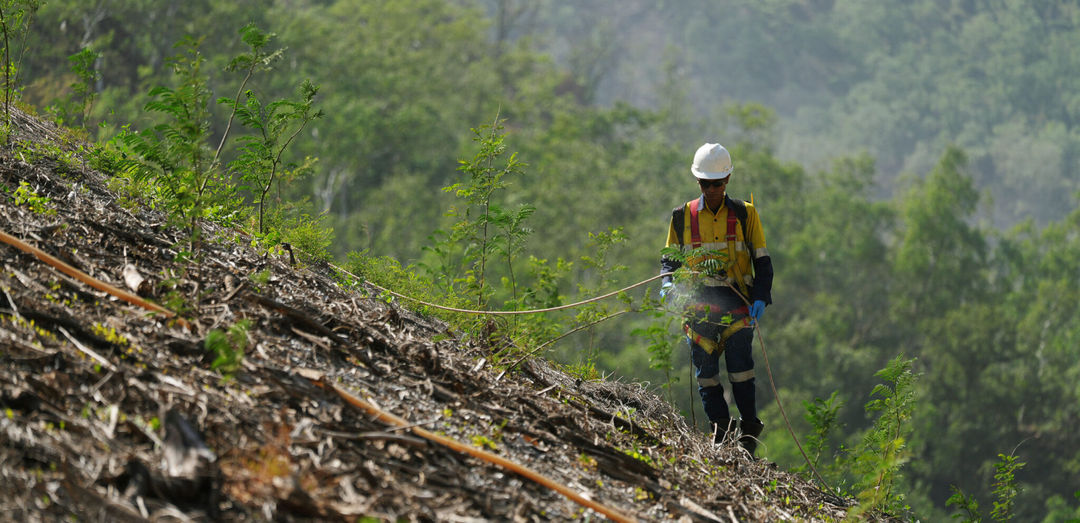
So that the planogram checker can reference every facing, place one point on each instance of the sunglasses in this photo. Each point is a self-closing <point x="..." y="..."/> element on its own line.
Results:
<point x="705" y="184"/>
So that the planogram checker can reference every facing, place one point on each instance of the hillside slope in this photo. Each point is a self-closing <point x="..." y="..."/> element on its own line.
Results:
<point x="114" y="413"/>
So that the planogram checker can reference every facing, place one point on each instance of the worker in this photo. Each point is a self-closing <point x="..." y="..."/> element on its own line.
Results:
<point x="722" y="243"/>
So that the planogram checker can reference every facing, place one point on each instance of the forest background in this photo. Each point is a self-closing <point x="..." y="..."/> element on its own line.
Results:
<point x="916" y="164"/>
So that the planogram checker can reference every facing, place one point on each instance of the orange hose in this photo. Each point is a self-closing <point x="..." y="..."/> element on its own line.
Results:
<point x="520" y="470"/>
<point x="89" y="280"/>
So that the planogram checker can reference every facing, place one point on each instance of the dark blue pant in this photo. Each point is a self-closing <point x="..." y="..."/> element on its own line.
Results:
<point x="739" y="360"/>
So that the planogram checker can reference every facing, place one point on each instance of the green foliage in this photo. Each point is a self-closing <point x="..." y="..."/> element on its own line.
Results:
<point x="1005" y="489"/>
<point x="1059" y="511"/>
<point x="172" y="295"/>
<point x="635" y="452"/>
<point x="663" y="341"/>
<point x="228" y="346"/>
<point x="15" y="20"/>
<point x="940" y="250"/>
<point x="258" y="59"/>
<point x="177" y="169"/>
<point x="542" y="293"/>
<point x="601" y="270"/>
<point x="176" y="154"/>
<point x="125" y="179"/>
<point x="883" y="451"/>
<point x="260" y="278"/>
<point x="584" y="370"/>
<point x="388" y="273"/>
<point x="822" y="415"/>
<point x="75" y="108"/>
<point x="968" y="504"/>
<point x="309" y="237"/>
<point x="712" y="262"/>
<point x="989" y="313"/>
<point x="472" y="234"/>
<point x="25" y="194"/>
<point x="510" y="236"/>
<point x="275" y="125"/>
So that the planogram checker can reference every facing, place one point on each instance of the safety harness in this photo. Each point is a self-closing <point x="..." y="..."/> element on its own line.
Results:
<point x="736" y="213"/>
<point x="710" y="345"/>
<point x="738" y="216"/>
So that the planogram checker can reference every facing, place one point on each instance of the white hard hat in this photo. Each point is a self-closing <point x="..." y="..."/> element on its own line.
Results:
<point x="711" y="162"/>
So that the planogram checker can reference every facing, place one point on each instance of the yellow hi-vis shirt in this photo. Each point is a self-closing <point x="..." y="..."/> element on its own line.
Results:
<point x="712" y="229"/>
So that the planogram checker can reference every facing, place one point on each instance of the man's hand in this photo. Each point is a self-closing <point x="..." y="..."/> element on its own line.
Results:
<point x="666" y="288"/>
<point x="756" y="310"/>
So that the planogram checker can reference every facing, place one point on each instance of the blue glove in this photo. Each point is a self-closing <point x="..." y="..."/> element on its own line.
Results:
<point x="666" y="288"/>
<point x="756" y="310"/>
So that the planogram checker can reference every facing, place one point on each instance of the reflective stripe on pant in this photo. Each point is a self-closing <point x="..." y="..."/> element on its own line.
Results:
<point x="738" y="358"/>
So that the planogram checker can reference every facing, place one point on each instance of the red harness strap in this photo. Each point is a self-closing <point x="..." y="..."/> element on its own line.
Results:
<point x="695" y="234"/>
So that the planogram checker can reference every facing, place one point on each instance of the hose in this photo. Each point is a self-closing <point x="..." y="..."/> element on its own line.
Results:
<point x="90" y="280"/>
<point x="504" y="313"/>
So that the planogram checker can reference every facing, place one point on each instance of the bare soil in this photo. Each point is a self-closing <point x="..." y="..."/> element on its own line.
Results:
<point x="113" y="413"/>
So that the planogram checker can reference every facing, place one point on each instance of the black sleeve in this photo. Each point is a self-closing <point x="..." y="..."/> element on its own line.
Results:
<point x="668" y="265"/>
<point x="763" y="274"/>
<point x="676" y="223"/>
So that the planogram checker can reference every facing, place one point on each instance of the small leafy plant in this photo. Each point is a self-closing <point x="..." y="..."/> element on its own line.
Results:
<point x="662" y="343"/>
<point x="228" y="347"/>
<point x="75" y="108"/>
<point x="25" y="195"/>
<point x="822" y="415"/>
<point x="260" y="163"/>
<point x="1005" y="491"/>
<point x="473" y="235"/>
<point x="1005" y="487"/>
<point x="184" y="175"/>
<point x="15" y="19"/>
<point x="603" y="272"/>
<point x="883" y="449"/>
<point x="175" y="153"/>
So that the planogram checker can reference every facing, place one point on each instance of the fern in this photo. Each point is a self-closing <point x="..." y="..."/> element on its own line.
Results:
<point x="176" y="151"/>
<point x="883" y="449"/>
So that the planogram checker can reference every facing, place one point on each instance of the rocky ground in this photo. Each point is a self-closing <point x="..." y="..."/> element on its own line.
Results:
<point x="114" y="412"/>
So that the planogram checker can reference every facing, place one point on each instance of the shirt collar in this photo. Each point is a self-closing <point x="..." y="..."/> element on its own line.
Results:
<point x="701" y="204"/>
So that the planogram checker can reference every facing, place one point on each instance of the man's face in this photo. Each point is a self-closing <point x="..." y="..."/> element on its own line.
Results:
<point x="713" y="189"/>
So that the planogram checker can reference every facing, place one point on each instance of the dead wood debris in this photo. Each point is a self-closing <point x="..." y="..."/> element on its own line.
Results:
<point x="111" y="413"/>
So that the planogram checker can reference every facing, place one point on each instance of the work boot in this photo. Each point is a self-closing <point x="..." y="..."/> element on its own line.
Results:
<point x="721" y="428"/>
<point x="751" y="429"/>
